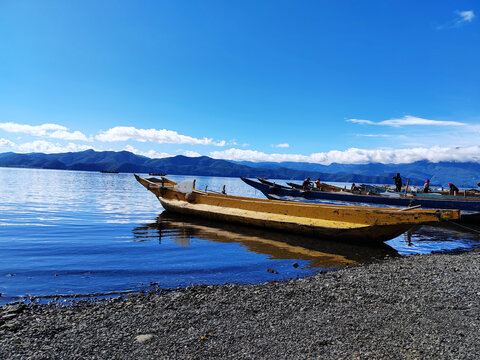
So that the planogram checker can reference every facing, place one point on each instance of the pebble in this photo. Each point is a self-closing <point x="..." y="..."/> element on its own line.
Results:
<point x="415" y="307"/>
<point x="143" y="338"/>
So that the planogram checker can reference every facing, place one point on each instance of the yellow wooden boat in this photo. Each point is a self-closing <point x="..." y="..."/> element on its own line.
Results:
<point x="331" y="222"/>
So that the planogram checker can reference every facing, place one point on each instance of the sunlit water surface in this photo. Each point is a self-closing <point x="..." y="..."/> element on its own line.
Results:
<point x="73" y="232"/>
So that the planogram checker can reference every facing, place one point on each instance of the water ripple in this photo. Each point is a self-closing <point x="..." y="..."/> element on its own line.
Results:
<point x="73" y="232"/>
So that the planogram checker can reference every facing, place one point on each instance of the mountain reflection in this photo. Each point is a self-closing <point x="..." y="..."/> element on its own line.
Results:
<point x="320" y="253"/>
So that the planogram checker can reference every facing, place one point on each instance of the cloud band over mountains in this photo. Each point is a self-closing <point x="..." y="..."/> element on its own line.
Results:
<point x="353" y="155"/>
<point x="359" y="156"/>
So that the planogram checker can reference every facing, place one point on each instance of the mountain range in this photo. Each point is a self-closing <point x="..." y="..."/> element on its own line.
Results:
<point x="462" y="174"/>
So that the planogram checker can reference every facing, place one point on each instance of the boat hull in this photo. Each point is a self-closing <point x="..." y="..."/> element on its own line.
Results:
<point x="466" y="204"/>
<point x="348" y="223"/>
<point x="373" y="233"/>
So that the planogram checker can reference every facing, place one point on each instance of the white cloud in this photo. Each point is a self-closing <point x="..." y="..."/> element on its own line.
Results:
<point x="65" y="135"/>
<point x="150" y="154"/>
<point x="5" y="143"/>
<point x="191" y="153"/>
<point x="45" y="130"/>
<point x="257" y="156"/>
<point x="465" y="16"/>
<point x="39" y="130"/>
<point x="360" y="121"/>
<point x="360" y="156"/>
<point x="462" y="17"/>
<point x="49" y="148"/>
<point x="408" y="120"/>
<point x="284" y="145"/>
<point x="124" y="133"/>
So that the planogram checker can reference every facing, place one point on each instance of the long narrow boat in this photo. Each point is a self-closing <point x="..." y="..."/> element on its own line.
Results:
<point x="323" y="187"/>
<point x="469" y="205"/>
<point x="271" y="183"/>
<point x="374" y="189"/>
<point x="108" y="172"/>
<point x="359" y="189"/>
<point x="446" y="195"/>
<point x="352" y="223"/>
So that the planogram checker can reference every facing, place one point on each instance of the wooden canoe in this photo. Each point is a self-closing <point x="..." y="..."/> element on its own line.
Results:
<point x="374" y="189"/>
<point x="270" y="183"/>
<point x="359" y="189"/>
<point x="446" y="194"/>
<point x="470" y="207"/>
<point x="323" y="187"/>
<point x="352" y="223"/>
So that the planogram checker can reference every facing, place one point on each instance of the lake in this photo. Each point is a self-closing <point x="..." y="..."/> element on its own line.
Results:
<point x="74" y="232"/>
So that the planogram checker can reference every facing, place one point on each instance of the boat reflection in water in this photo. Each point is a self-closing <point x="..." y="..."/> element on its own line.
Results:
<point x="443" y="237"/>
<point x="199" y="251"/>
<point x="313" y="252"/>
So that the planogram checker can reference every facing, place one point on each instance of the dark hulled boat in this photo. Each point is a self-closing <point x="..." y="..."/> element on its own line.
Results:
<point x="470" y="206"/>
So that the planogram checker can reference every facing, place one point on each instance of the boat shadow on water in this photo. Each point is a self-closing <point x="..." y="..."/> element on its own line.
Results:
<point x="320" y="253"/>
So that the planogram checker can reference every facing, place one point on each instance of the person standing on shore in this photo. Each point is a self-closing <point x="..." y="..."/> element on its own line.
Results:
<point x="398" y="182"/>
<point x="453" y="189"/>
<point x="426" y="186"/>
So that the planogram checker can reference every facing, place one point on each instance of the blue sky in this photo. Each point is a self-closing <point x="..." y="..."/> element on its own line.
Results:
<point x="320" y="81"/>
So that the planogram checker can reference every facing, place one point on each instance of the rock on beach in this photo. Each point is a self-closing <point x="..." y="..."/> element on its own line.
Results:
<point x="416" y="307"/>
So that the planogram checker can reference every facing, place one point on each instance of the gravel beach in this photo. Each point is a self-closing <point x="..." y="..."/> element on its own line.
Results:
<point x="416" y="307"/>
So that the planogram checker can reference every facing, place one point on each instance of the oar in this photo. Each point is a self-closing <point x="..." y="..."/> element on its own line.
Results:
<point x="406" y="187"/>
<point x="410" y="208"/>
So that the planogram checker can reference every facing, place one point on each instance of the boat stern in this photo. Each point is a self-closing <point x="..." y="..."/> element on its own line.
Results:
<point x="448" y="215"/>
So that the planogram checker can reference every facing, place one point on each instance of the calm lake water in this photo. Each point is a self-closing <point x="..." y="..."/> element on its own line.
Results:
<point x="73" y="232"/>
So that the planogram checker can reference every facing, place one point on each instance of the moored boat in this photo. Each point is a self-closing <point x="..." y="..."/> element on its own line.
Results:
<point x="470" y="206"/>
<point x="323" y="187"/>
<point x="374" y="188"/>
<point x="270" y="183"/>
<point x="446" y="195"/>
<point x="352" y="223"/>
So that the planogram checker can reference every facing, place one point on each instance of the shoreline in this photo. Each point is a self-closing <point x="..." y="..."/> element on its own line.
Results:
<point x="419" y="306"/>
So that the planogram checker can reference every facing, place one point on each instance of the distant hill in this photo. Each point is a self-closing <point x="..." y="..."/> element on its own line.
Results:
<point x="124" y="161"/>
<point x="462" y="174"/>
<point x="5" y="154"/>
